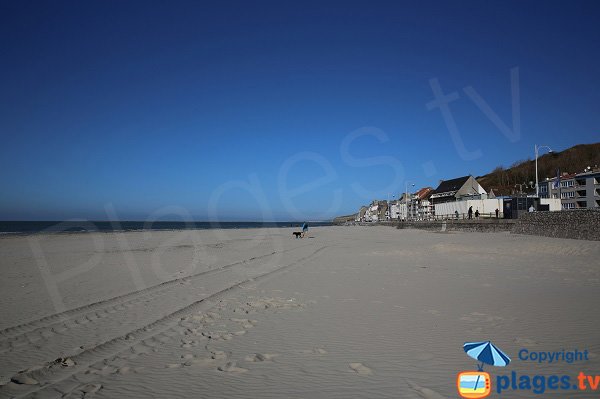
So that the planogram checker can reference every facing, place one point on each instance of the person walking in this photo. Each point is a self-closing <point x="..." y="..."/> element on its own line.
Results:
<point x="477" y="214"/>
<point x="497" y="212"/>
<point x="304" y="229"/>
<point x="470" y="212"/>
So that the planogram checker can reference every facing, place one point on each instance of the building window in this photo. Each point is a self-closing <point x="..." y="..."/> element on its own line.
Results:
<point x="543" y="189"/>
<point x="568" y="194"/>
<point x="567" y="183"/>
<point x="569" y="205"/>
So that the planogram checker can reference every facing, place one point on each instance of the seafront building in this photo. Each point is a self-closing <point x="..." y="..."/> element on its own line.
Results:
<point x="458" y="189"/>
<point x="575" y="190"/>
<point x="377" y="211"/>
<point x="420" y="206"/>
<point x="395" y="210"/>
<point x="457" y="196"/>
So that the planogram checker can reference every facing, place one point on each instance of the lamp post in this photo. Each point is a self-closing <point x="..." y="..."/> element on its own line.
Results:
<point x="537" y="150"/>
<point x="406" y="198"/>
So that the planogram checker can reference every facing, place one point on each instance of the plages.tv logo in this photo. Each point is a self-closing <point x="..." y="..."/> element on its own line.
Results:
<point x="478" y="384"/>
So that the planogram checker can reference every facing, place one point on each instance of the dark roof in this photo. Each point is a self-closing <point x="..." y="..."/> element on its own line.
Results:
<point x="451" y="185"/>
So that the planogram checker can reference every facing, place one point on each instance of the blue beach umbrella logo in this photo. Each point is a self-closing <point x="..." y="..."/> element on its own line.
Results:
<point x="486" y="353"/>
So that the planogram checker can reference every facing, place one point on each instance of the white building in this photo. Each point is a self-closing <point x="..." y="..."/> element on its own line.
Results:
<point x="395" y="212"/>
<point x="461" y="188"/>
<point x="486" y="207"/>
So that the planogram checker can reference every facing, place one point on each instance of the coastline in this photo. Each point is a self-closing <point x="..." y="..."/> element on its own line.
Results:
<point x="85" y="226"/>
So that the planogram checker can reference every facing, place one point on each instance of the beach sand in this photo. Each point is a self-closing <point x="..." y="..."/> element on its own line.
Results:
<point x="348" y="312"/>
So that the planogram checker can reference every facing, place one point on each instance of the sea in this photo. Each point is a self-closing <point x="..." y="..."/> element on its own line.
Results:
<point x="32" y="227"/>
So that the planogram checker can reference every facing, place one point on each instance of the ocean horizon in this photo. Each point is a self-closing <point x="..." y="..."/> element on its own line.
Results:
<point x="76" y="226"/>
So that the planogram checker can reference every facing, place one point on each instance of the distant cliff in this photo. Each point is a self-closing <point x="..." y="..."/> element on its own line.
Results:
<point x="344" y="219"/>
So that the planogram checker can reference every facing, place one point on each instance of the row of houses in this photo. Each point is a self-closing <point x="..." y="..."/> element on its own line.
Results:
<point x="454" y="197"/>
<point x="421" y="205"/>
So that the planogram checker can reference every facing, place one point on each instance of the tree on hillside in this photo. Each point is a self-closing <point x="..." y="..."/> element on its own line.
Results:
<point x="572" y="160"/>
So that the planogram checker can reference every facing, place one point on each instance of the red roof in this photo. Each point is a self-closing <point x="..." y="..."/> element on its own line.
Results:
<point x="424" y="193"/>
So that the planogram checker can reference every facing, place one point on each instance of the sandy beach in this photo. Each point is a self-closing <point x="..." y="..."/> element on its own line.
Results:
<point x="347" y="312"/>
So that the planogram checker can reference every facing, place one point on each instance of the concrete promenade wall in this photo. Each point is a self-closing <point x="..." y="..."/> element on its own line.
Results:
<point x="446" y="225"/>
<point x="580" y="224"/>
<point x="482" y="225"/>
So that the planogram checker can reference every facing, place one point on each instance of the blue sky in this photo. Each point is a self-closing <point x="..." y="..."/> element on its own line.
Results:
<point x="277" y="110"/>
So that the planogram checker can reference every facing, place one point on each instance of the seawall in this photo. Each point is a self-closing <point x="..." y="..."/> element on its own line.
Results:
<point x="481" y="225"/>
<point x="580" y="224"/>
<point x="583" y="224"/>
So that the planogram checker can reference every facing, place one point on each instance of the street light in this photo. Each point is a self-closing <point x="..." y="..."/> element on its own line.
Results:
<point x="537" y="151"/>
<point x="406" y="198"/>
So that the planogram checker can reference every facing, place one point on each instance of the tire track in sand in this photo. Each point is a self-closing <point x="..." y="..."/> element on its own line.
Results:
<point x="46" y="375"/>
<point x="47" y="326"/>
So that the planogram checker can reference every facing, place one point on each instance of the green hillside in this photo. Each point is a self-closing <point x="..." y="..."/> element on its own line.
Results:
<point x="572" y="160"/>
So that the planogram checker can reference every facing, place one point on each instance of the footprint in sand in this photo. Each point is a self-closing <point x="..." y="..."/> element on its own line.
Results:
<point x="23" y="379"/>
<point x="191" y="360"/>
<point x="84" y="391"/>
<point x="231" y="367"/>
<point x="260" y="357"/>
<point x="361" y="369"/>
<point x="217" y="335"/>
<point x="218" y="355"/>
<point x="91" y="388"/>
<point x="188" y="343"/>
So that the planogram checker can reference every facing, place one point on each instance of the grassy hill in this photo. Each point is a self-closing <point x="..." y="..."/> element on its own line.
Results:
<point x="573" y="160"/>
